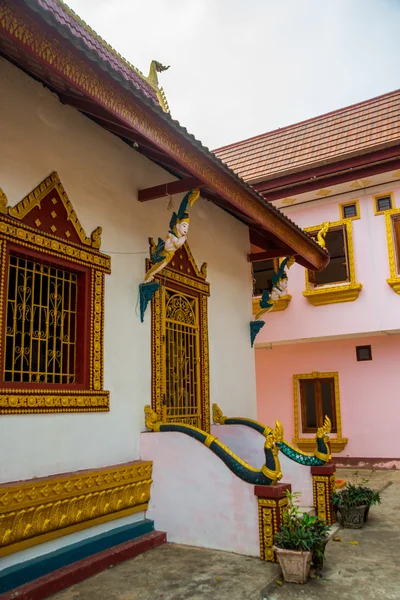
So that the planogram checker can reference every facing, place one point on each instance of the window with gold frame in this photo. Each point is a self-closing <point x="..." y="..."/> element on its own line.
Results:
<point x="321" y="290"/>
<point x="52" y="291"/>
<point x="180" y="355"/>
<point x="383" y="202"/>
<point x="317" y="403"/>
<point x="392" y="218"/>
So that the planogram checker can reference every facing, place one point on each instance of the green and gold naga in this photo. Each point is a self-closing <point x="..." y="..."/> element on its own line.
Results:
<point x="321" y="453"/>
<point x="269" y="474"/>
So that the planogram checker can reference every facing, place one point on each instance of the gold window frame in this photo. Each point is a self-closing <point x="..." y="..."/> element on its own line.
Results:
<point x="13" y="230"/>
<point x="375" y="199"/>
<point x="340" y="292"/>
<point x="394" y="279"/>
<point x="181" y="271"/>
<point x="342" y="205"/>
<point x="337" y="443"/>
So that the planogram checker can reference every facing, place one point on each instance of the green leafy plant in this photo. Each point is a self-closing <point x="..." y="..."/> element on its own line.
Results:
<point x="354" y="494"/>
<point x="300" y="531"/>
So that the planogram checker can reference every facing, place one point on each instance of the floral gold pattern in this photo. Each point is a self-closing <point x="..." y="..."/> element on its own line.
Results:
<point x="269" y="519"/>
<point x="323" y="486"/>
<point x="39" y="510"/>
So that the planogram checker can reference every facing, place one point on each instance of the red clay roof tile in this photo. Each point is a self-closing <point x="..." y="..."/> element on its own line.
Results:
<point x="348" y="131"/>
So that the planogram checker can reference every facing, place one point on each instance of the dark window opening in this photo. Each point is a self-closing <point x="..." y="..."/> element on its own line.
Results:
<point x="317" y="397"/>
<point x="41" y="323"/>
<point x="263" y="271"/>
<point x="337" y="270"/>
<point x="383" y="203"/>
<point x="364" y="352"/>
<point x="349" y="210"/>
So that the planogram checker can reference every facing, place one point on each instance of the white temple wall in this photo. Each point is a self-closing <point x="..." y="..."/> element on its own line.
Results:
<point x="101" y="175"/>
<point x="196" y="499"/>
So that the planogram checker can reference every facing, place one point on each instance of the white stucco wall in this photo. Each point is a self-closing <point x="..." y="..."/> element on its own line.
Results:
<point x="101" y="176"/>
<point x="196" y="499"/>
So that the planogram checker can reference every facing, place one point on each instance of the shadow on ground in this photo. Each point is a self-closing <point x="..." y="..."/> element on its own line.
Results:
<point x="369" y="570"/>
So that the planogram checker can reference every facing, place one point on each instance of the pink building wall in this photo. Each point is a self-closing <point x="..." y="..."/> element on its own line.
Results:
<point x="369" y="391"/>
<point x="377" y="307"/>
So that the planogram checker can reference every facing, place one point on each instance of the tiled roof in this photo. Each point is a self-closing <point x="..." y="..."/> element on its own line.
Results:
<point x="78" y="30"/>
<point x="353" y="130"/>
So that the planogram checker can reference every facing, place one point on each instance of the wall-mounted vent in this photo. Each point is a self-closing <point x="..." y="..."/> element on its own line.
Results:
<point x="364" y="352"/>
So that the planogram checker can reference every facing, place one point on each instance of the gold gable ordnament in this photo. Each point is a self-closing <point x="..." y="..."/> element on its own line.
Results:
<point x="48" y="209"/>
<point x="184" y="263"/>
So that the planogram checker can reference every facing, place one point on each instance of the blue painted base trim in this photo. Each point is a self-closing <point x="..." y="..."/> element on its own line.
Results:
<point x="25" y="572"/>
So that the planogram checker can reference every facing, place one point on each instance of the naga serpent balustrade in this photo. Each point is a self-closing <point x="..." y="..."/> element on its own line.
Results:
<point x="269" y="474"/>
<point x="320" y="456"/>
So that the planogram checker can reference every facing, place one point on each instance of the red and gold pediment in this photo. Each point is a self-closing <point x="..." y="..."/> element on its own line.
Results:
<point x="48" y="210"/>
<point x="183" y="262"/>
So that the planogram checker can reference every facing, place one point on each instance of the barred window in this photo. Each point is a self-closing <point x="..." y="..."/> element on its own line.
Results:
<point x="41" y="329"/>
<point x="52" y="306"/>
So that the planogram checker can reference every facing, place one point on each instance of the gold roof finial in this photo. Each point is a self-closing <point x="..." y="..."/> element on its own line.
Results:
<point x="152" y="79"/>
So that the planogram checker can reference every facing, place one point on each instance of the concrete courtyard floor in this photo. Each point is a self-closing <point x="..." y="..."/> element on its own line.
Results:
<point x="369" y="570"/>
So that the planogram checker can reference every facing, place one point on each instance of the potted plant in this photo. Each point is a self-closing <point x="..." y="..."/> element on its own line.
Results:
<point x="372" y="497"/>
<point x="300" y="540"/>
<point x="353" y="503"/>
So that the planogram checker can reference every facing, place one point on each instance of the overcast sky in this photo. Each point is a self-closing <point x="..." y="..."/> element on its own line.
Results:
<point x="239" y="68"/>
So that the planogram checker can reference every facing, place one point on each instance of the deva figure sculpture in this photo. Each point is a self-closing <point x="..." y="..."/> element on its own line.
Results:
<point x="279" y="288"/>
<point x="176" y="237"/>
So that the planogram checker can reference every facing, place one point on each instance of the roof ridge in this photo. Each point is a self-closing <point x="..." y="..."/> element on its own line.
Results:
<point x="310" y="120"/>
<point x="102" y="41"/>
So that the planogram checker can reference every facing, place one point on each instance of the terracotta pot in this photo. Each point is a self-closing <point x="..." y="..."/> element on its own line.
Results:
<point x="295" y="564"/>
<point x="353" y="517"/>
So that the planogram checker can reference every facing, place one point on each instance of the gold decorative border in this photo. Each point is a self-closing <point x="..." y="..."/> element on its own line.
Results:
<point x="185" y="280"/>
<point x="331" y="294"/>
<point x="78" y="74"/>
<point x="157" y="352"/>
<point x="40" y="510"/>
<point x="394" y="279"/>
<point x="383" y="195"/>
<point x="205" y="364"/>
<point x="44" y="401"/>
<point x="323" y="486"/>
<point x="44" y="242"/>
<point x="357" y="215"/>
<point x="269" y="519"/>
<point x="308" y="444"/>
<point x="40" y="400"/>
<point x="279" y="305"/>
